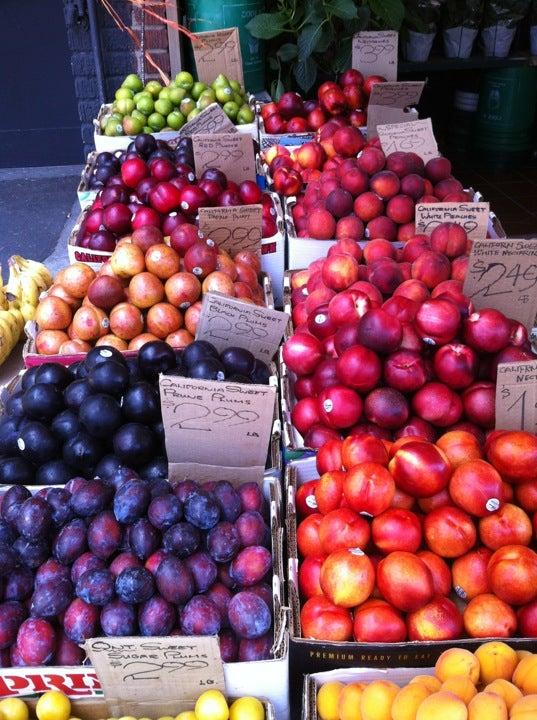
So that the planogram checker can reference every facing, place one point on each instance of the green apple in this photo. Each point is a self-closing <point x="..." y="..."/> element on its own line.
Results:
<point x="164" y="107"/>
<point x="133" y="82"/>
<point x="146" y="105"/>
<point x="220" y="81"/>
<point x="224" y="93"/>
<point x="156" y="121"/>
<point x="153" y="87"/>
<point x="113" y="127"/>
<point x="176" y="120"/>
<point x="124" y="93"/>
<point x="231" y="109"/>
<point x="147" y="130"/>
<point x="164" y="93"/>
<point x="184" y="80"/>
<point x="143" y="94"/>
<point x="197" y="89"/>
<point x="193" y="113"/>
<point x="125" y="106"/>
<point x="177" y="94"/>
<point x="132" y="125"/>
<point x="187" y="105"/>
<point x="140" y="115"/>
<point x="236" y="86"/>
<point x="245" y="115"/>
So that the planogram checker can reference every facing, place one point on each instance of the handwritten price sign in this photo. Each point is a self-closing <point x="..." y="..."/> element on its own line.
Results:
<point x="503" y="274"/>
<point x="416" y="136"/>
<point x="210" y="121"/>
<point x="516" y="396"/>
<point x="218" y="51"/>
<point x="130" y="669"/>
<point x="233" y="228"/>
<point x="231" y="153"/>
<point x="472" y="216"/>
<point x="374" y="52"/>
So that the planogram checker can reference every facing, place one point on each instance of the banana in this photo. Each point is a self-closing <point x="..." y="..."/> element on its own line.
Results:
<point x="13" y="288"/>
<point x="29" y="290"/>
<point x="28" y="311"/>
<point x="37" y="270"/>
<point x="13" y="323"/>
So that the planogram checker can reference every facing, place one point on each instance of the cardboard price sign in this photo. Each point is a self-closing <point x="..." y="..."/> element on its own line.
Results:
<point x="374" y="52"/>
<point x="473" y="217"/>
<point x="226" y="322"/>
<point x="416" y="136"/>
<point x="516" y="396"/>
<point x="218" y="51"/>
<point x="233" y="154"/>
<point x="164" y="675"/>
<point x="233" y="228"/>
<point x="216" y="428"/>
<point x="502" y="274"/>
<point x="388" y="103"/>
<point x="210" y="121"/>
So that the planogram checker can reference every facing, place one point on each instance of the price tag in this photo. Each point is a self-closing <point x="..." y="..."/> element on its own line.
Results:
<point x="155" y="676"/>
<point x="216" y="428"/>
<point x="231" y="153"/>
<point x="210" y="121"/>
<point x="473" y="217"/>
<point x="233" y="228"/>
<point x="218" y="51"/>
<point x="389" y="103"/>
<point x="374" y="52"/>
<point x="516" y="396"/>
<point x="229" y="322"/>
<point x="502" y="274"/>
<point x="416" y="136"/>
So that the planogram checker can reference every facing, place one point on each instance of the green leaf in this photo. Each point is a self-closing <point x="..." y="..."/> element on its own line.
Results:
<point x="390" y="12"/>
<point x="305" y="72"/>
<point x="267" y="25"/>
<point x="343" y="57"/>
<point x="344" y="9"/>
<point x="273" y="63"/>
<point x="277" y="89"/>
<point x="324" y="41"/>
<point x="287" y="51"/>
<point x="307" y="40"/>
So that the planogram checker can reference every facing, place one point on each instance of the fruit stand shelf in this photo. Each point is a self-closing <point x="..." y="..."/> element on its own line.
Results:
<point x="476" y="62"/>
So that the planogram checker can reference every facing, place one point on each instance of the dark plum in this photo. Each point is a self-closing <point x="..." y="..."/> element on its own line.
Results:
<point x="159" y="486"/>
<point x="228" y="499"/>
<point x="256" y="648"/>
<point x="238" y="360"/>
<point x="67" y="652"/>
<point x="12" y="615"/>
<point x="91" y="498"/>
<point x="96" y="587"/>
<point x="165" y="511"/>
<point x="154" y="358"/>
<point x="87" y="561"/>
<point x="28" y="378"/>
<point x="70" y="542"/>
<point x="156" y="617"/>
<point x="252" y="529"/>
<point x="145" y="144"/>
<point x="264" y="591"/>
<point x="13" y="406"/>
<point x="202" y="510"/>
<point x="104" y="535"/>
<point x="200" y="616"/>
<point x="16" y="470"/>
<point x="109" y="377"/>
<point x="54" y="472"/>
<point x="134" y="444"/>
<point x="135" y="585"/>
<point x="224" y="576"/>
<point x="12" y="501"/>
<point x="141" y="403"/>
<point x="156" y="469"/>
<point x="197" y="351"/>
<point x="81" y="621"/>
<point x="32" y="553"/>
<point x="223" y="542"/>
<point x="100" y="415"/>
<point x="131" y="501"/>
<point x="122" y="475"/>
<point x="51" y="571"/>
<point x="251" y="497"/>
<point x="174" y="581"/>
<point x="101" y="354"/>
<point x="153" y="561"/>
<point x="134" y="371"/>
<point x="8" y="559"/>
<point x="19" y="584"/>
<point x="220" y="595"/>
<point x="118" y="619"/>
<point x="37" y="443"/>
<point x="251" y="565"/>
<point x="82" y="452"/>
<point x="66" y="424"/>
<point x="10" y="430"/>
<point x="123" y="561"/>
<point x="229" y="646"/>
<point x="7" y="534"/>
<point x="207" y="369"/>
<point x="34" y="518"/>
<point x="158" y="430"/>
<point x="42" y="401"/>
<point x="36" y="640"/>
<point x="203" y="569"/>
<point x="59" y="501"/>
<point x="107" y="466"/>
<point x="51" y="598"/>
<point x="79" y="370"/>
<point x="261" y="373"/>
<point x="144" y="539"/>
<point x="181" y="539"/>
<point x="53" y="374"/>
<point x="77" y="393"/>
<point x="184" y="489"/>
<point x="249" y="615"/>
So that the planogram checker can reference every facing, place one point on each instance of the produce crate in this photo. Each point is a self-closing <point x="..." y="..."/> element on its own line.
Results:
<point x="266" y="139"/>
<point x="85" y="195"/>
<point x="302" y="251"/>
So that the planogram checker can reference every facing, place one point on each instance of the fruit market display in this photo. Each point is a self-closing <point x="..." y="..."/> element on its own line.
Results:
<point x="156" y="108"/>
<point x="420" y="541"/>
<point x="19" y="299"/>
<point x="211" y="705"/>
<point x="152" y="185"/>
<point x="347" y="99"/>
<point x="148" y="290"/>
<point x="386" y="342"/>
<point x="495" y="683"/>
<point x="104" y="412"/>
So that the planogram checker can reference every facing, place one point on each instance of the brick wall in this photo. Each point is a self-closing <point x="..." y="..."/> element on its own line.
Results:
<point x="119" y="59"/>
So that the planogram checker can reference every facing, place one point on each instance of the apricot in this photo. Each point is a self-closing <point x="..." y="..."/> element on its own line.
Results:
<point x="461" y="686"/>
<point x="487" y="706"/>
<point x="328" y="699"/>
<point x="407" y="701"/>
<point x="432" y="683"/>
<point x="456" y="662"/>
<point x="377" y="699"/>
<point x="442" y="706"/>
<point x="505" y="689"/>
<point x="525" y="708"/>
<point x="497" y="661"/>
<point x="525" y="675"/>
<point x="349" y="701"/>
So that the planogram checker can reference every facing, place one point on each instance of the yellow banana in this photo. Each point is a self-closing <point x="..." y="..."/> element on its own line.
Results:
<point x="28" y="311"/>
<point x="7" y="334"/>
<point x="30" y="290"/>
<point x="13" y="287"/>
<point x="12" y="322"/>
<point x="37" y="270"/>
<point x="19" y="317"/>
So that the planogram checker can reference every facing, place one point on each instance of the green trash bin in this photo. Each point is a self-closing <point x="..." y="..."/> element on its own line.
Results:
<point x="505" y="114"/>
<point x="202" y="15"/>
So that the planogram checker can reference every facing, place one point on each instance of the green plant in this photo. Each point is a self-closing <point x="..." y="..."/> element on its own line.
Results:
<point x="466" y="13"/>
<point x="422" y="15"/>
<point x="312" y="38"/>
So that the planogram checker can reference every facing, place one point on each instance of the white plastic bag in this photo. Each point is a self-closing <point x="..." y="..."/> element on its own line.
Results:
<point x="497" y="40"/>
<point x="458" y="41"/>
<point x="418" y="45"/>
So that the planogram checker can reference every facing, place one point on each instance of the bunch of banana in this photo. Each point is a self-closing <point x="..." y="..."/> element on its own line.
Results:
<point x="19" y="299"/>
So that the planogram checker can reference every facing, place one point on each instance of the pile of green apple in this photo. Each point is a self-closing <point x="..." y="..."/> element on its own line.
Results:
<point x="155" y="108"/>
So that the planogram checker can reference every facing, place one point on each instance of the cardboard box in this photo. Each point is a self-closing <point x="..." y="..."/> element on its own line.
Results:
<point x="266" y="139"/>
<point x="85" y="195"/>
<point x="307" y="656"/>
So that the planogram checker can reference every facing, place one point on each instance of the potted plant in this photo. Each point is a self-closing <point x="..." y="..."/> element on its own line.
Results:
<point x="460" y="21"/>
<point x="421" y="23"/>
<point x="500" y="21"/>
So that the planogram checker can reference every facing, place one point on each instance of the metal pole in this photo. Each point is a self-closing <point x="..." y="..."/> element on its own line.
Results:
<point x="97" y="51"/>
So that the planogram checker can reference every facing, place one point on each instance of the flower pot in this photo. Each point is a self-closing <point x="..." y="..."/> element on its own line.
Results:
<point x="418" y="45"/>
<point x="497" y="40"/>
<point x="459" y="41"/>
<point x="533" y="39"/>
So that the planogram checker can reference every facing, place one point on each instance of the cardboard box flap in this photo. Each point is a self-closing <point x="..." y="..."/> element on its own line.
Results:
<point x="396" y="94"/>
<point x="374" y="52"/>
<point x="516" y="396"/>
<point x="234" y="228"/>
<point x="216" y="429"/>
<point x="210" y="121"/>
<point x="472" y="216"/>
<point x="232" y="153"/>
<point x="156" y="673"/>
<point x="218" y="51"/>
